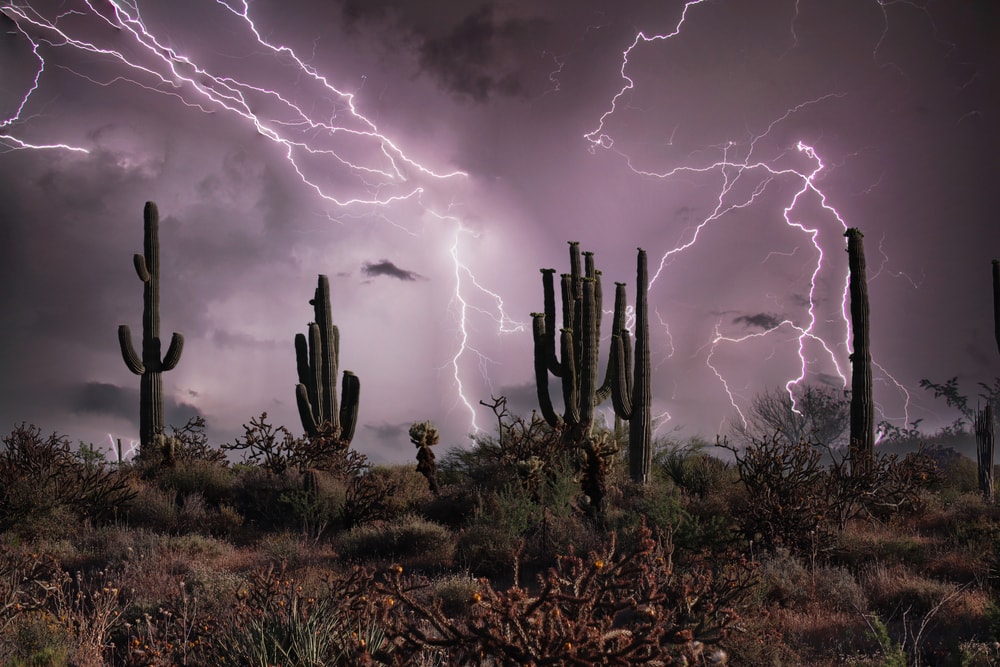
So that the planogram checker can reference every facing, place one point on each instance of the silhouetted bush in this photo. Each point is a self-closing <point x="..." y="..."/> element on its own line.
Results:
<point x="46" y="489"/>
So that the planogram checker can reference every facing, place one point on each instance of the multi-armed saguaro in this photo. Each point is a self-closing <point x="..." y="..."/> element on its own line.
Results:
<point x="862" y="447"/>
<point x="317" y="359"/>
<point x="578" y="366"/>
<point x="150" y="365"/>
<point x="578" y="341"/>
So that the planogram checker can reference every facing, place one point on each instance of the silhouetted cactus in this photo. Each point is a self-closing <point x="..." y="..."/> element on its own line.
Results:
<point x="150" y="365"/>
<point x="862" y="447"/>
<point x="423" y="435"/>
<point x="985" y="444"/>
<point x="631" y="387"/>
<point x="577" y="361"/>
<point x="996" y="301"/>
<point x="317" y="359"/>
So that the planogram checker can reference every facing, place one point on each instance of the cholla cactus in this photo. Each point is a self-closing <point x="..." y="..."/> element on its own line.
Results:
<point x="599" y="453"/>
<point x="423" y="435"/>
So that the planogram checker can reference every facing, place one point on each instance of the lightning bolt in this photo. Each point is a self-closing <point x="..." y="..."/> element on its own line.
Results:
<point x="743" y="180"/>
<point x="335" y="150"/>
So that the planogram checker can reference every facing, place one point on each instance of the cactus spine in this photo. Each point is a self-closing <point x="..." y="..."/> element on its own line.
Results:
<point x="631" y="387"/>
<point x="317" y="359"/>
<point x="150" y="365"/>
<point x="577" y="362"/>
<point x="862" y="447"/>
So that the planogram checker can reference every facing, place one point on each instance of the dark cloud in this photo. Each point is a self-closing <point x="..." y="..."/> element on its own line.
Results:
<point x="765" y="321"/>
<point x="103" y="398"/>
<point x="384" y="267"/>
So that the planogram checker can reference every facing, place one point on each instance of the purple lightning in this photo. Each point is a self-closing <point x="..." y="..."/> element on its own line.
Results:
<point x="335" y="150"/>
<point x="754" y="177"/>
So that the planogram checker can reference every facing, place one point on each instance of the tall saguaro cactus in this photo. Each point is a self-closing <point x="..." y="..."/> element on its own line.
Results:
<point x="577" y="361"/>
<point x="150" y="365"/>
<point x="631" y="388"/>
<point x="996" y="301"/>
<point x="317" y="359"/>
<point x="862" y="447"/>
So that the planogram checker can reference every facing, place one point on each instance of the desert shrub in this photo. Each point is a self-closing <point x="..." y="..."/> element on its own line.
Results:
<point x="527" y="452"/>
<point x="788" y="582"/>
<point x="629" y="606"/>
<point x="276" y="621"/>
<point x="317" y="504"/>
<point x="36" y="638"/>
<point x="45" y="488"/>
<point x="796" y="500"/>
<point x="369" y="497"/>
<point x="690" y="466"/>
<point x="257" y="498"/>
<point x="412" y="540"/>
<point x="537" y="523"/>
<point x="456" y="593"/>
<point x="410" y="491"/>
<point x="272" y="448"/>
<point x="213" y="481"/>
<point x="453" y="507"/>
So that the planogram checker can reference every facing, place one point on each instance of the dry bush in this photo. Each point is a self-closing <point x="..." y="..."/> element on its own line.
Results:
<point x="616" y="607"/>
<point x="410" y="539"/>
<point x="47" y="490"/>
<point x="276" y="620"/>
<point x="798" y="501"/>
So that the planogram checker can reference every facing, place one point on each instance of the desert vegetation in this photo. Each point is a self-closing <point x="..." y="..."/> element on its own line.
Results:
<point x="765" y="552"/>
<point x="558" y="539"/>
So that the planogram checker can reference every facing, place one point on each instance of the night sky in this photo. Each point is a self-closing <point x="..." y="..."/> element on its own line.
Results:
<point x="431" y="157"/>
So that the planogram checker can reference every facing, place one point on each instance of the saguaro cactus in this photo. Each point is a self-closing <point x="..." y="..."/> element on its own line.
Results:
<point x="862" y="447"/>
<point x="150" y="365"/>
<point x="317" y="359"/>
<point x="631" y="388"/>
<point x="577" y="362"/>
<point x="983" y="428"/>
<point x="996" y="301"/>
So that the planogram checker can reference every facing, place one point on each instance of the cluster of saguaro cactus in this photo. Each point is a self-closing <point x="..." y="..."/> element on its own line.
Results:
<point x="862" y="445"/>
<point x="317" y="359"/>
<point x="577" y="362"/>
<point x="150" y="365"/>
<point x="578" y="346"/>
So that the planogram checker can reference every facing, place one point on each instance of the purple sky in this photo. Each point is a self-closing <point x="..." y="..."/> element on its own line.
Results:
<point x="431" y="157"/>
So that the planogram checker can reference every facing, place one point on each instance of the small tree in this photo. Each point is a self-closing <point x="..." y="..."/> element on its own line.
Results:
<point x="808" y="414"/>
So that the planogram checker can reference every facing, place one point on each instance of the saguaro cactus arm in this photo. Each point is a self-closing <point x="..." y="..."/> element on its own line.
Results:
<point x="541" y="338"/>
<point x="132" y="360"/>
<point x="173" y="354"/>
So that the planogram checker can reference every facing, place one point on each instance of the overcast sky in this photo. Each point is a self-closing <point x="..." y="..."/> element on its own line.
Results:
<point x="430" y="157"/>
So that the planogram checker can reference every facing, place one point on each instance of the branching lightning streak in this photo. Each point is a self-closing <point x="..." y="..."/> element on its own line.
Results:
<point x="145" y="60"/>
<point x="732" y="170"/>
